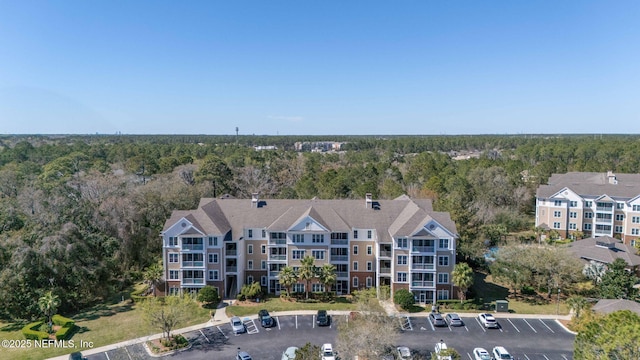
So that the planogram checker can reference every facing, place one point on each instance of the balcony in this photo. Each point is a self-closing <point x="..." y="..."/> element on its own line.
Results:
<point x="192" y="247"/>
<point x="603" y="232"/>
<point x="385" y="270"/>
<point x="422" y="283"/>
<point x="342" y="274"/>
<point x="192" y="281"/>
<point x="423" y="249"/>
<point x="385" y="253"/>
<point x="339" y="258"/>
<point x="604" y="208"/>
<point x="192" y="263"/>
<point x="423" y="266"/>
<point x="277" y="241"/>
<point x="278" y="257"/>
<point x="231" y="252"/>
<point x="274" y="274"/>
<point x="339" y="241"/>
<point x="231" y="268"/>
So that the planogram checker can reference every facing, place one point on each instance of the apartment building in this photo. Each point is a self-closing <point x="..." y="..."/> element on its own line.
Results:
<point x="597" y="204"/>
<point x="228" y="242"/>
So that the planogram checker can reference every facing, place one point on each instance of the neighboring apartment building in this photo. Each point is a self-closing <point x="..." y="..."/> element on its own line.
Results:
<point x="598" y="204"/>
<point x="229" y="242"/>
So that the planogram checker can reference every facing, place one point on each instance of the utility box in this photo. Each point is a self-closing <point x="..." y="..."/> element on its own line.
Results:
<point x="502" y="306"/>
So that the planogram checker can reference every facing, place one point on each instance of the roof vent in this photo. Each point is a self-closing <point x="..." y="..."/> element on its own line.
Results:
<point x="612" y="178"/>
<point x="255" y="198"/>
<point x="368" y="200"/>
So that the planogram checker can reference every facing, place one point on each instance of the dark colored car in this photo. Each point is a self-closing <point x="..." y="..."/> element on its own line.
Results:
<point x="76" y="356"/>
<point x="265" y="319"/>
<point x="453" y="319"/>
<point x="437" y="319"/>
<point x="322" y="319"/>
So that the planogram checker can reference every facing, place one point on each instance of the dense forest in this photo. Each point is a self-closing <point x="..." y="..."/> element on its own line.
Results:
<point x="81" y="215"/>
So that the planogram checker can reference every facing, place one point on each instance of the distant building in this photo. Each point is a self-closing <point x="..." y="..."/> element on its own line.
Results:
<point x="318" y="146"/>
<point x="597" y="204"/>
<point x="265" y="147"/>
<point x="229" y="242"/>
<point x="605" y="250"/>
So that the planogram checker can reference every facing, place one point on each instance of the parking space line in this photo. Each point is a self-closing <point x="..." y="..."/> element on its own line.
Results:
<point x="222" y="332"/>
<point x="205" y="336"/>
<point x="431" y="324"/>
<point x="313" y="321"/>
<point x="107" y="355"/>
<point x="564" y="357"/>
<point x="296" y="321"/>
<point x="409" y="322"/>
<point x="534" y="330"/>
<point x="469" y="355"/>
<point x="512" y="324"/>
<point x="525" y="355"/>
<point x="129" y="355"/>
<point x="545" y="356"/>
<point x="543" y="323"/>
<point x="278" y="320"/>
<point x="480" y="324"/>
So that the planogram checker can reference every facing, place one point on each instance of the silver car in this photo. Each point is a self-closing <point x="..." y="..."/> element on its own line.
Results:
<point x="237" y="325"/>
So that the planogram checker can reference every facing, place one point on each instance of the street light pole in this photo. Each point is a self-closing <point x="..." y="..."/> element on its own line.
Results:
<point x="558" y="303"/>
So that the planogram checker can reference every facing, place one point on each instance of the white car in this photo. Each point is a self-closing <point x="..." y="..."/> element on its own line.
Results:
<point x="327" y="352"/>
<point x="488" y="321"/>
<point x="237" y="325"/>
<point x="439" y="349"/>
<point x="481" y="354"/>
<point x="500" y="353"/>
<point x="404" y="353"/>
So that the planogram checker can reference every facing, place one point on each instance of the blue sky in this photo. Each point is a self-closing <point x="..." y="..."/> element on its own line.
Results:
<point x="319" y="67"/>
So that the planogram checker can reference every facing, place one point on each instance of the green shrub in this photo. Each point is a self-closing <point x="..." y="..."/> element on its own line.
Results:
<point x="404" y="298"/>
<point x="385" y="292"/>
<point x="29" y="331"/>
<point x="209" y="295"/>
<point x="62" y="321"/>
<point x="65" y="332"/>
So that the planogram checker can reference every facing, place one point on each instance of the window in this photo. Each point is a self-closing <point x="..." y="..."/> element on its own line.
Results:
<point x="556" y="225"/>
<point x="297" y="254"/>
<point x="250" y="233"/>
<point x="369" y="282"/>
<point x="355" y="266"/>
<point x="557" y="214"/>
<point x="443" y="294"/>
<point x="620" y="206"/>
<point x="317" y="254"/>
<point x="317" y="238"/>
<point x="369" y="266"/>
<point x="443" y="278"/>
<point x="213" y="258"/>
<point x="250" y="265"/>
<point x="573" y="215"/>
<point x="263" y="280"/>
<point x="355" y="282"/>
<point x="174" y="275"/>
<point x="633" y="243"/>
<point x="355" y="234"/>
<point x="213" y="241"/>
<point x="213" y="275"/>
<point x="572" y="226"/>
<point x="369" y="234"/>
<point x="402" y="259"/>
<point x="298" y="287"/>
<point x="369" y="249"/>
<point x="355" y="250"/>
<point x="588" y="215"/>
<point x="173" y="257"/>
<point x="250" y="249"/>
<point x="173" y="241"/>
<point x="298" y="238"/>
<point x="264" y="233"/>
<point x="250" y="279"/>
<point x="317" y="287"/>
<point x="635" y="219"/>
<point x="401" y="243"/>
<point x="617" y="229"/>
<point x="588" y="204"/>
<point x="619" y="217"/>
<point x="573" y="203"/>
<point x="557" y="203"/>
<point x="263" y="264"/>
<point x="635" y="231"/>
<point x="587" y="226"/>
<point x="636" y="207"/>
<point x="443" y="261"/>
<point x="263" y="249"/>
<point x="401" y="277"/>
<point x="443" y="243"/>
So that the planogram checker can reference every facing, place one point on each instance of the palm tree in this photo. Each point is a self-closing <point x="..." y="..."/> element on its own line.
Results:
<point x="153" y="275"/>
<point x="287" y="278"/>
<point x="462" y="277"/>
<point x="328" y="276"/>
<point x="48" y="303"/>
<point x="577" y="304"/>
<point x="307" y="272"/>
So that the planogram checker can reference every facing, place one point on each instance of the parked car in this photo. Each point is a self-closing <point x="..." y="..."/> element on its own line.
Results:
<point x="322" y="318"/>
<point x="243" y="355"/>
<point x="500" y="353"/>
<point x="404" y="353"/>
<point x="327" y="352"/>
<point x="237" y="325"/>
<point x="441" y="348"/>
<point x="488" y="321"/>
<point x="290" y="353"/>
<point x="76" y="356"/>
<point x="437" y="319"/>
<point x="453" y="319"/>
<point x="481" y="354"/>
<point x="265" y="319"/>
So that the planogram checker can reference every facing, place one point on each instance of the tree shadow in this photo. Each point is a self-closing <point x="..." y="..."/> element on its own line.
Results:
<point x="488" y="291"/>
<point x="13" y="326"/>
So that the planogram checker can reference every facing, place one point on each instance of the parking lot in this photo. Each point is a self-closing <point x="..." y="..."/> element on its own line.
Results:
<point x="529" y="338"/>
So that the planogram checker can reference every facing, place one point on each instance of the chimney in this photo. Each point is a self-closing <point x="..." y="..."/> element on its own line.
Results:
<point x="255" y="198"/>
<point x="612" y="178"/>
<point x="368" y="200"/>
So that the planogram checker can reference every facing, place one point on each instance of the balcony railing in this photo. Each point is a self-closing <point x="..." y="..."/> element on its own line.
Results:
<point x="423" y="266"/>
<point x="231" y="252"/>
<point x="277" y="257"/>
<point x="342" y="274"/>
<point x="385" y="270"/>
<point x="604" y="208"/>
<point x="231" y="268"/>
<point x="192" y="263"/>
<point x="597" y="231"/>
<point x="274" y="274"/>
<point x="429" y="249"/>
<point x="190" y="247"/>
<point x="339" y="258"/>
<point x="190" y="281"/>
<point x="422" y="283"/>
<point x="339" y="241"/>
<point x="277" y="241"/>
<point x="385" y="253"/>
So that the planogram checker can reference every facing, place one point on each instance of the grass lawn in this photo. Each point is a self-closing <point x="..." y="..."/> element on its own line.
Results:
<point x="102" y="325"/>
<point x="276" y="304"/>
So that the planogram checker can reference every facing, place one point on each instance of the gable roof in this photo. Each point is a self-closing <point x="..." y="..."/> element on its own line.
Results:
<point x="604" y="249"/>
<point x="592" y="184"/>
<point x="607" y="306"/>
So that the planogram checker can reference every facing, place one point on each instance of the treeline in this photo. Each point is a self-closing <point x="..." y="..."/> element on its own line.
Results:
<point x="81" y="215"/>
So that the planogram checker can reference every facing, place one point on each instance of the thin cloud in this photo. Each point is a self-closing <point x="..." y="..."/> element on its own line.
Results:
<point x="286" y="118"/>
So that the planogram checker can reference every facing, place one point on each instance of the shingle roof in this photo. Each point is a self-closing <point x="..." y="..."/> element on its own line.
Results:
<point x="398" y="217"/>
<point x="589" y="249"/>
<point x="607" y="306"/>
<point x="592" y="184"/>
